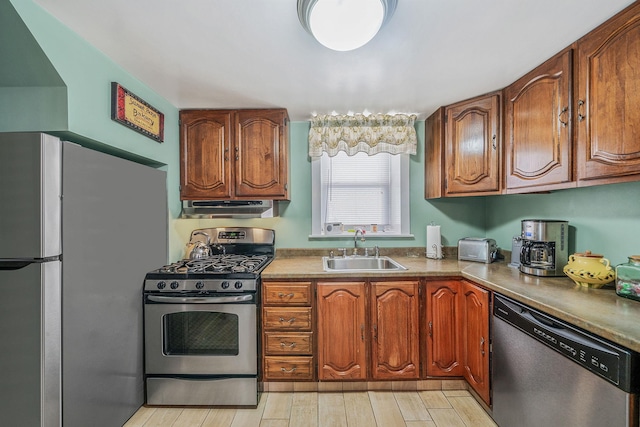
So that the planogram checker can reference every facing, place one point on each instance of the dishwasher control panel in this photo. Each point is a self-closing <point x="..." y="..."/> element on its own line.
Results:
<point x="610" y="361"/>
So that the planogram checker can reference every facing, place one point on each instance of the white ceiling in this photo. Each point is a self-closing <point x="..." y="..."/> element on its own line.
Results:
<point x="255" y="53"/>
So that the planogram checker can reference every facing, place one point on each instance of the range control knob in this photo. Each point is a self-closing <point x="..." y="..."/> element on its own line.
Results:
<point x="225" y="285"/>
<point x="174" y="285"/>
<point x="161" y="285"/>
<point x="199" y="285"/>
<point x="238" y="284"/>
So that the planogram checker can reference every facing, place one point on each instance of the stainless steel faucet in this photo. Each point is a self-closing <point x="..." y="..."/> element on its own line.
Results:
<point x="355" y="239"/>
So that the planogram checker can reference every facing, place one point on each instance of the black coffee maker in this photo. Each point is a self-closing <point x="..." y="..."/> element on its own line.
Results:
<point x="544" y="249"/>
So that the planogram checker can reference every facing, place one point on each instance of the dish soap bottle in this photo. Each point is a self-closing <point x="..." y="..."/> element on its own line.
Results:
<point x="628" y="278"/>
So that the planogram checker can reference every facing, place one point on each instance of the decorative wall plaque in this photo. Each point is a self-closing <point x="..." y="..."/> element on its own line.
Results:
<point x="133" y="112"/>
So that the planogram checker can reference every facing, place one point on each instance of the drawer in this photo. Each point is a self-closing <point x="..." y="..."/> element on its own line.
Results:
<point x="288" y="343"/>
<point x="288" y="368"/>
<point x="282" y="293"/>
<point x="287" y="318"/>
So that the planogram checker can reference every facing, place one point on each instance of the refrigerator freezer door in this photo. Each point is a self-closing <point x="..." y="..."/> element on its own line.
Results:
<point x="30" y="189"/>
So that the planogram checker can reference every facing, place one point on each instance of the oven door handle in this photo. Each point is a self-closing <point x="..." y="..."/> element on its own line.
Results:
<point x="200" y="300"/>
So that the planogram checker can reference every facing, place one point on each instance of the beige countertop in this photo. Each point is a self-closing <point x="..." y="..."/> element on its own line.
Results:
<point x="599" y="311"/>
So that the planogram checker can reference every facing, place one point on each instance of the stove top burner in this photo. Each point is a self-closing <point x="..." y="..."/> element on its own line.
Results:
<point x="232" y="263"/>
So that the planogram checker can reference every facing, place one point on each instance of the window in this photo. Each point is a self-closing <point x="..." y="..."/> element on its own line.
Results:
<point x="367" y="191"/>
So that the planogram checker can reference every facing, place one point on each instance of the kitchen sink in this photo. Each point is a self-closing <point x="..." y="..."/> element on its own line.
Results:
<point x="361" y="263"/>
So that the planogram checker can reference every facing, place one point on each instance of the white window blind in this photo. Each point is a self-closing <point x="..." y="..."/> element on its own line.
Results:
<point x="359" y="189"/>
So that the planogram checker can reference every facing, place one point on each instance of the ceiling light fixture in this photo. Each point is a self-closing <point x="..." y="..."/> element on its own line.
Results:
<point x="344" y="25"/>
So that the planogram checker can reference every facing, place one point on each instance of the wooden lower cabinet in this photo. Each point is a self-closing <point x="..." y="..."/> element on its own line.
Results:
<point x="395" y="348"/>
<point x="443" y="328"/>
<point x="458" y="332"/>
<point x="341" y="331"/>
<point x="287" y="336"/>
<point x="475" y="338"/>
<point x="390" y="340"/>
<point x="288" y="368"/>
<point x="371" y="330"/>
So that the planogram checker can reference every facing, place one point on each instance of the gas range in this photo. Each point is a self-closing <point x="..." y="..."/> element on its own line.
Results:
<point x="217" y="273"/>
<point x="242" y="255"/>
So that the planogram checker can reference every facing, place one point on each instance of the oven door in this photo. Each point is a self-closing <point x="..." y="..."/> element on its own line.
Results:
<point x="201" y="336"/>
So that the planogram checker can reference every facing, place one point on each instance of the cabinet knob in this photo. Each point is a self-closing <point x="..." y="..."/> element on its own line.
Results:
<point x="494" y="143"/>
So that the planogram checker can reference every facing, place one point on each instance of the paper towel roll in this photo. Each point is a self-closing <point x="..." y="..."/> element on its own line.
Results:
<point x="434" y="243"/>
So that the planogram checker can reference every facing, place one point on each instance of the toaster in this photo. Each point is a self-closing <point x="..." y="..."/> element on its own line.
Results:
<point x="478" y="249"/>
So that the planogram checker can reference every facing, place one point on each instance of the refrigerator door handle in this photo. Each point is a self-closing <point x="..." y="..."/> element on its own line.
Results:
<point x="18" y="263"/>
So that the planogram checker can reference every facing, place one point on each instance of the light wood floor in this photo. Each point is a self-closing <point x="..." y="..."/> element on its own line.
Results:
<point x="447" y="408"/>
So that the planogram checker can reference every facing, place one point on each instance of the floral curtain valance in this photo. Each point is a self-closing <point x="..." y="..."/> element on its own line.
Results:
<point x="377" y="133"/>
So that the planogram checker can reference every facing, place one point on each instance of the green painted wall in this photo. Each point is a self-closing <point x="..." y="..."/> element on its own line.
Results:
<point x="604" y="219"/>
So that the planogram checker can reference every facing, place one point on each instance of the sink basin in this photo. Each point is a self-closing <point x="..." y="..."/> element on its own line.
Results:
<point x="361" y="263"/>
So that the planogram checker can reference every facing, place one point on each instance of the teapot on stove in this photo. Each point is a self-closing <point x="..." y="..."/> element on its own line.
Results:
<point x="198" y="249"/>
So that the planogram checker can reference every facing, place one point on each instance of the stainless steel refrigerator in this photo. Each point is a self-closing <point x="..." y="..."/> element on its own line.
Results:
<point x="78" y="231"/>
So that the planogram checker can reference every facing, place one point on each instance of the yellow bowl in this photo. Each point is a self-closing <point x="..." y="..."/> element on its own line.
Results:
<point x="590" y="279"/>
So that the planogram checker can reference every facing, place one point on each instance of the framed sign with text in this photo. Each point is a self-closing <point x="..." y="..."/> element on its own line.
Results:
<point x="131" y="111"/>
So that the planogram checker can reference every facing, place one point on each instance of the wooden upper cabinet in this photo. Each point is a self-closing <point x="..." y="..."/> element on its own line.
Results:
<point x="443" y="328"/>
<point x="395" y="348"/>
<point x="608" y="101"/>
<point x="538" y="121"/>
<point x="205" y="142"/>
<point x="342" y="334"/>
<point x="473" y="146"/>
<point x="261" y="154"/>
<point x="475" y="338"/>
<point x="434" y="165"/>
<point x="234" y="154"/>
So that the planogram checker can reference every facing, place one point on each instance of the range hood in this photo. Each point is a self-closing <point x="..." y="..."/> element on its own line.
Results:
<point x="229" y="209"/>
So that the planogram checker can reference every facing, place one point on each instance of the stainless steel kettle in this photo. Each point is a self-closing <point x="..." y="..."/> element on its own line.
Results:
<point x="198" y="249"/>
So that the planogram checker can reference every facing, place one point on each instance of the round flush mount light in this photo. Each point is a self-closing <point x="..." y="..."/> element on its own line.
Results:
<point x="344" y="25"/>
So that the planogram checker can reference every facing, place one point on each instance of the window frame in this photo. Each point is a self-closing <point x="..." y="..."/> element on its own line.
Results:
<point x="317" y="227"/>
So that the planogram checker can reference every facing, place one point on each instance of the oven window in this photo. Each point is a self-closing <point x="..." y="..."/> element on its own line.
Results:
<point x="201" y="333"/>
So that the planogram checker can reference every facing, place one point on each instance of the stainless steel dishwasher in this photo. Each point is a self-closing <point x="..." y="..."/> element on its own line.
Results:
<point x="546" y="372"/>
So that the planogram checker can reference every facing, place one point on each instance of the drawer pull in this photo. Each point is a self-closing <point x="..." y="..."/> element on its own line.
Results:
<point x="289" y="371"/>
<point x="283" y="344"/>
<point x="290" y="321"/>
<point x="283" y="295"/>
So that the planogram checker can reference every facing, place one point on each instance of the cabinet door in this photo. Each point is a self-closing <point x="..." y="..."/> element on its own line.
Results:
<point x="476" y="338"/>
<point x="341" y="331"/>
<point x="394" y="316"/>
<point x="205" y="141"/>
<point x="472" y="154"/>
<point x="260" y="153"/>
<point x="538" y="128"/>
<point x="608" y="105"/>
<point x="443" y="328"/>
